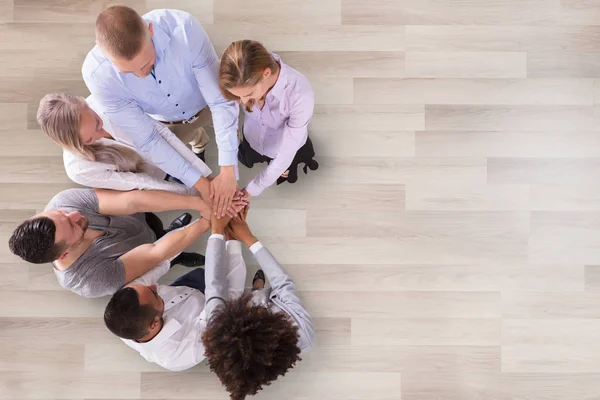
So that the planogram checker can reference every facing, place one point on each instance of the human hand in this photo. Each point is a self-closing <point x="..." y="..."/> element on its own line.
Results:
<point x="237" y="204"/>
<point x="218" y="224"/>
<point x="239" y="228"/>
<point x="223" y="189"/>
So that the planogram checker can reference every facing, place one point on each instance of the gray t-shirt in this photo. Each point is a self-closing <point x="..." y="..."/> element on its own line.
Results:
<point x="99" y="271"/>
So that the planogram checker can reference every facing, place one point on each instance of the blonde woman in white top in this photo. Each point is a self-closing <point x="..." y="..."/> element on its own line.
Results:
<point x="99" y="155"/>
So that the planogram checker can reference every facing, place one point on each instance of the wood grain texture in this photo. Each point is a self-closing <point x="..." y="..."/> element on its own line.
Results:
<point x="466" y="65"/>
<point x="447" y="247"/>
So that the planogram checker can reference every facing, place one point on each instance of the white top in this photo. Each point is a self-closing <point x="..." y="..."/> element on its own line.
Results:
<point x="178" y="346"/>
<point x="105" y="176"/>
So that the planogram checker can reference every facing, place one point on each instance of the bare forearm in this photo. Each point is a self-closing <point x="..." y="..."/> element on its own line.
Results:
<point x="175" y="242"/>
<point x="125" y="203"/>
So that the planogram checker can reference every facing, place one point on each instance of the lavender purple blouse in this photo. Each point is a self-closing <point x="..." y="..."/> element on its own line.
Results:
<point x="280" y="128"/>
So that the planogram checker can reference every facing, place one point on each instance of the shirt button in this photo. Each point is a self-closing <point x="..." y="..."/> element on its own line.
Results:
<point x="184" y="112"/>
<point x="159" y="81"/>
<point x="176" y="105"/>
<point x="169" y="95"/>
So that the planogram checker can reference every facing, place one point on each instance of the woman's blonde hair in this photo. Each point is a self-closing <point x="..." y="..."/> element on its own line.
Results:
<point x="59" y="115"/>
<point x="242" y="65"/>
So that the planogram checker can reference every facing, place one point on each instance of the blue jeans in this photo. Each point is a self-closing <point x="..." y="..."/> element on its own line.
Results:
<point x="193" y="279"/>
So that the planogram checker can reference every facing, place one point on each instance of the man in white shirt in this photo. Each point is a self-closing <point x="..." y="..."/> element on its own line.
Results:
<point x="162" y="67"/>
<point x="164" y="323"/>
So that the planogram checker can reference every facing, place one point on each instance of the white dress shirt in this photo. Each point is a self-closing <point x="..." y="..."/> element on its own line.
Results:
<point x="105" y="176"/>
<point x="185" y="80"/>
<point x="178" y="346"/>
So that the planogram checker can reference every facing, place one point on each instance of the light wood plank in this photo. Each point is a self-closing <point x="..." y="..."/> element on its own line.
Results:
<point x="276" y="12"/>
<point x="569" y="64"/>
<point x="353" y="64"/>
<point x="544" y="171"/>
<point x="47" y="354"/>
<point x="502" y="118"/>
<point x="389" y="251"/>
<point x="274" y="222"/>
<point x="401" y="170"/>
<point x="550" y="346"/>
<point x="336" y="196"/>
<point x="351" y="143"/>
<point x="6" y="11"/>
<point x="332" y="90"/>
<point x="420" y="225"/>
<point x="455" y="197"/>
<point x="75" y="384"/>
<point x="480" y="277"/>
<point x="563" y="143"/>
<point x="68" y="331"/>
<point x="43" y="303"/>
<point x="15" y="276"/>
<point x="584" y="12"/>
<point x="565" y="197"/>
<point x="558" y="236"/>
<point x="446" y="12"/>
<point x="370" y="118"/>
<point x="403" y="304"/>
<point x="13" y="116"/>
<point x="451" y="385"/>
<point x="426" y="331"/>
<point x="474" y="91"/>
<point x="466" y="65"/>
<point x="550" y="305"/>
<point x="277" y="37"/>
<point x="42" y="64"/>
<point x="115" y="357"/>
<point x="37" y="170"/>
<point x="24" y="196"/>
<point x="332" y="331"/>
<point x="31" y="90"/>
<point x="294" y="386"/>
<point x="34" y="143"/>
<point x="501" y="38"/>
<point x="357" y="358"/>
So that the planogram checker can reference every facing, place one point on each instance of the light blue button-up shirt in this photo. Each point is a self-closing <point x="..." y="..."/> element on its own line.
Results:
<point x="186" y="80"/>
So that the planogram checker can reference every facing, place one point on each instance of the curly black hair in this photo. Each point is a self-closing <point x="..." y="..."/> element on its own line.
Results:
<point x="249" y="346"/>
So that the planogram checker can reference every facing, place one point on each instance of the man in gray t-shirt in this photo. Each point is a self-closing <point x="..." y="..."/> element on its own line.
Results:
<point x="99" y="240"/>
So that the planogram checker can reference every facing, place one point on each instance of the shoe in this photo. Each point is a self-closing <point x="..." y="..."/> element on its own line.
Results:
<point x="179" y="222"/>
<point x="259" y="275"/>
<point x="188" y="260"/>
<point x="201" y="156"/>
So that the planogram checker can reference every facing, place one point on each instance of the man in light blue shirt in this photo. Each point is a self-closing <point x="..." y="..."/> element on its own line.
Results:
<point x="162" y="66"/>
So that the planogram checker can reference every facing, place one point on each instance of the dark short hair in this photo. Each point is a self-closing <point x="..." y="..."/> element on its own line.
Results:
<point x="121" y="31"/>
<point x="33" y="241"/>
<point x="126" y="317"/>
<point x="249" y="346"/>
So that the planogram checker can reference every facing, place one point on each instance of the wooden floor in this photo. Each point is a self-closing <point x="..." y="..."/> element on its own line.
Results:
<point x="449" y="245"/>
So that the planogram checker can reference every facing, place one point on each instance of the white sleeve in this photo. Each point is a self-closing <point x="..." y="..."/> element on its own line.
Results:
<point x="104" y="176"/>
<point x="236" y="269"/>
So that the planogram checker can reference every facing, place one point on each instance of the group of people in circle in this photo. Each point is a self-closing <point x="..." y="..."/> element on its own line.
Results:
<point x="138" y="143"/>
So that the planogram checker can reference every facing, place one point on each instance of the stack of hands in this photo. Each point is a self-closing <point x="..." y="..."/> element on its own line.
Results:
<point x="224" y="194"/>
<point x="235" y="228"/>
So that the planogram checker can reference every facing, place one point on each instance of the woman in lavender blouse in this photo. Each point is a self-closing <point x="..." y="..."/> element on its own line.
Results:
<point x="278" y="102"/>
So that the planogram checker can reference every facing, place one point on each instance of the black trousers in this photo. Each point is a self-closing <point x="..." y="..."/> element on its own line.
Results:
<point x="155" y="224"/>
<point x="305" y="155"/>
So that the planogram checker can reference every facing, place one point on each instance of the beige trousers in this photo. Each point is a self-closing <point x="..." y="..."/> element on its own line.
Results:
<point x="194" y="133"/>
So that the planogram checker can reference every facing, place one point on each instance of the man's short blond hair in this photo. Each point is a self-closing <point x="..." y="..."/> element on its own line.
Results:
<point x="121" y="31"/>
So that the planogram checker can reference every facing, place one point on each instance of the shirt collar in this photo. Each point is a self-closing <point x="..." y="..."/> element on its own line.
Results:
<point x="160" y="39"/>
<point x="170" y="326"/>
<point x="279" y="87"/>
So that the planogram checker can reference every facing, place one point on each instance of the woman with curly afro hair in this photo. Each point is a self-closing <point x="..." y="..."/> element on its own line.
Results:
<point x="251" y="340"/>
